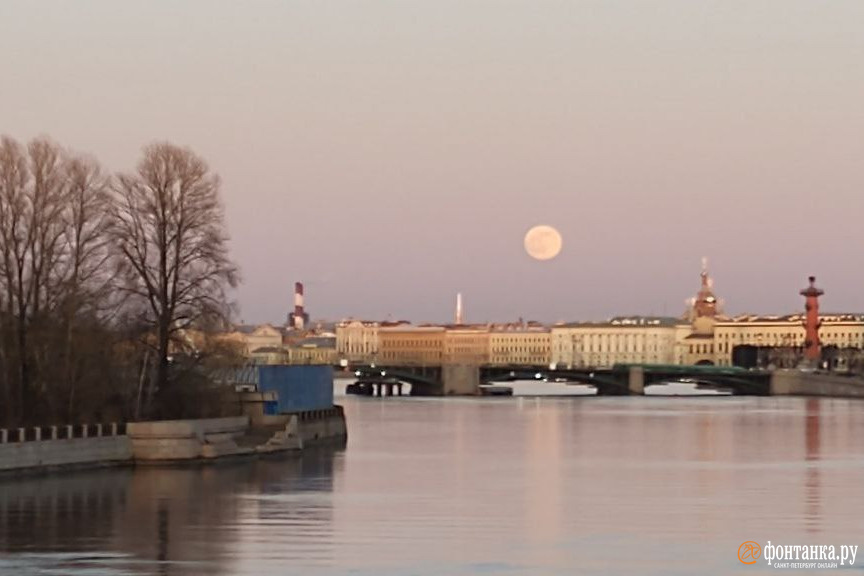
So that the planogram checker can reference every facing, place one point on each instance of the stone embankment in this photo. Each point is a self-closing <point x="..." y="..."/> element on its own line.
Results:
<point x="62" y="446"/>
<point x="166" y="441"/>
<point x="801" y="383"/>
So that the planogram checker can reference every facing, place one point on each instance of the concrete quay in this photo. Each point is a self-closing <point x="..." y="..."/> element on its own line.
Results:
<point x="63" y="446"/>
<point x="800" y="383"/>
<point x="179" y="440"/>
<point x="167" y="442"/>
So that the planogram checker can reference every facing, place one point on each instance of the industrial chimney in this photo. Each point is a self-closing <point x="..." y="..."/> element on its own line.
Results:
<point x="299" y="318"/>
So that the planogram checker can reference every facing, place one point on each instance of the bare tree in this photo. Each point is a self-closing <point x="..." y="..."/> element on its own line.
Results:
<point x="32" y="200"/>
<point x="168" y="225"/>
<point x="54" y="211"/>
<point x="69" y="237"/>
<point x="87" y="270"/>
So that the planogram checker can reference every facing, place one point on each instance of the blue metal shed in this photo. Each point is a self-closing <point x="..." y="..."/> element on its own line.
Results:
<point x="300" y="388"/>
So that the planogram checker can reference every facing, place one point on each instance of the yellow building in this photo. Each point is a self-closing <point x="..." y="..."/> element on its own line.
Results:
<point x="357" y="340"/>
<point x="466" y="345"/>
<point x="633" y="340"/>
<point x="844" y="331"/>
<point x="252" y="338"/>
<point x="519" y="345"/>
<point x="314" y="350"/>
<point x="410" y="345"/>
<point x="269" y="355"/>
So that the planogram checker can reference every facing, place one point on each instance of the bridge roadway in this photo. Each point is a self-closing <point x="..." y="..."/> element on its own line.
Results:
<point x="619" y="380"/>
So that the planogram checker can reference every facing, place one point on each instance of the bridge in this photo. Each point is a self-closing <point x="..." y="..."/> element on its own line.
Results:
<point x="619" y="380"/>
<point x="626" y="379"/>
<point x="387" y="380"/>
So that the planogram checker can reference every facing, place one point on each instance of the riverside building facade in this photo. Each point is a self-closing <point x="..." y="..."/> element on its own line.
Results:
<point x="702" y="335"/>
<point x="635" y="340"/>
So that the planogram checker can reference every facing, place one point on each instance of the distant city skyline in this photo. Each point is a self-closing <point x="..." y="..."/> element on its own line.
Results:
<point x="690" y="306"/>
<point x="391" y="155"/>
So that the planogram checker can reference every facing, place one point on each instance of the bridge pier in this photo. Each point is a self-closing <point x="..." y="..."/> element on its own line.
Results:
<point x="636" y="381"/>
<point x="460" y="379"/>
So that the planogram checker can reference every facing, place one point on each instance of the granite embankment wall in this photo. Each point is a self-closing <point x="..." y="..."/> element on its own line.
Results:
<point x="167" y="441"/>
<point x="310" y="427"/>
<point x="321" y="426"/>
<point x="188" y="439"/>
<point x="64" y="446"/>
<point x="799" y="383"/>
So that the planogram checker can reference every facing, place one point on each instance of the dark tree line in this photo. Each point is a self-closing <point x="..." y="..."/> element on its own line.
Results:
<point x="103" y="278"/>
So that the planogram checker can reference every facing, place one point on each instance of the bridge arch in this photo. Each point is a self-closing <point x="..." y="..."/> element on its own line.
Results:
<point x="421" y="383"/>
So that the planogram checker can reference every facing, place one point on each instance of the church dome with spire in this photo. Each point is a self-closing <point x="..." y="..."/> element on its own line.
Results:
<point x="705" y="308"/>
<point x="705" y="304"/>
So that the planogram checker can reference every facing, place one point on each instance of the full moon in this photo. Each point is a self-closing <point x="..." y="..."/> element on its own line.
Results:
<point x="543" y="242"/>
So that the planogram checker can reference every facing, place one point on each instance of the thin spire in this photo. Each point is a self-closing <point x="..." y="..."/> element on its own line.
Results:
<point x="459" y="319"/>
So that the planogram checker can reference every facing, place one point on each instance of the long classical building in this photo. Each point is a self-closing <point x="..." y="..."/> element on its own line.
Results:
<point x="839" y="331"/>
<point x="401" y="343"/>
<point x="620" y="340"/>
<point x="519" y="344"/>
<point x="411" y="345"/>
<point x="357" y="340"/>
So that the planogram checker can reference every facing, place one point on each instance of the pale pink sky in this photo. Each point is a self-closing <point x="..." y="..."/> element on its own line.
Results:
<point x="393" y="153"/>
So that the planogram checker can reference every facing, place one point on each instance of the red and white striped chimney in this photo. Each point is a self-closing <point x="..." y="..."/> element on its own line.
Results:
<point x="298" y="306"/>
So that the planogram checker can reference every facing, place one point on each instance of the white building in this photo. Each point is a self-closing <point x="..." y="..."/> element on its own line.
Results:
<point x="621" y="340"/>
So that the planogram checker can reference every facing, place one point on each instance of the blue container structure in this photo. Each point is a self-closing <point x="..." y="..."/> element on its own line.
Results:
<point x="299" y="388"/>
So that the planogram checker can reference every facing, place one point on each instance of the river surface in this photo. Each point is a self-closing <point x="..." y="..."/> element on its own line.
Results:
<point x="509" y="486"/>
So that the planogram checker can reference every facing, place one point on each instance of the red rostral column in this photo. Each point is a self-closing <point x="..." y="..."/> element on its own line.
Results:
<point x="812" y="323"/>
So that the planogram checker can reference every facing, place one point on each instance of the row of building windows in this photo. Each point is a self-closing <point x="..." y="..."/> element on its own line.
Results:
<point x="701" y="348"/>
<point x="609" y="360"/>
<point x="529" y="349"/>
<point x="394" y="344"/>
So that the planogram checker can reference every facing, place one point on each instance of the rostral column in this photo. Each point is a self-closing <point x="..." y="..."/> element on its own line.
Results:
<point x="812" y="345"/>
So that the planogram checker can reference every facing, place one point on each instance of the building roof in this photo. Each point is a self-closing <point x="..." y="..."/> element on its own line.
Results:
<point x="700" y="337"/>
<point x="790" y="319"/>
<point x="315" y="342"/>
<point x="412" y="328"/>
<point x="626" y="322"/>
<point x="465" y="327"/>
<point x="253" y="328"/>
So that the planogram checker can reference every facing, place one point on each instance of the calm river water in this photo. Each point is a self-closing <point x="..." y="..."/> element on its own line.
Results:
<point x="508" y="486"/>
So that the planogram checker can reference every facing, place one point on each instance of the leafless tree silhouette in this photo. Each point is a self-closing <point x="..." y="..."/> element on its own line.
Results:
<point x="168" y="225"/>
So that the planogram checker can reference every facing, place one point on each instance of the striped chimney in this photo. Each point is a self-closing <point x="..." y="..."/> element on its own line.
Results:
<point x="298" y="305"/>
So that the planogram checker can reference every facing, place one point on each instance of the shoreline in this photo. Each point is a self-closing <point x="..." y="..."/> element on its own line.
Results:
<point x="173" y="442"/>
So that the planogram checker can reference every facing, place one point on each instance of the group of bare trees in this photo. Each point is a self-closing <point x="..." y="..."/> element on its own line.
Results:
<point x="99" y="275"/>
